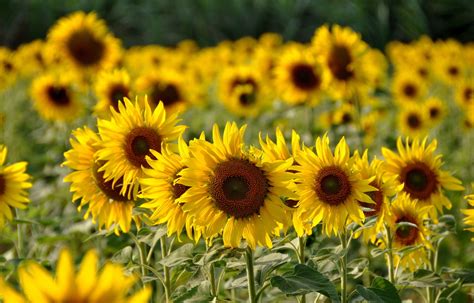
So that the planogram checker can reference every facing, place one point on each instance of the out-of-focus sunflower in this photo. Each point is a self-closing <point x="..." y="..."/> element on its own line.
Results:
<point x="418" y="167"/>
<point x="84" y="285"/>
<point x="129" y="136"/>
<point x="436" y="110"/>
<point x="386" y="187"/>
<point x="299" y="76"/>
<point x="14" y="181"/>
<point x="30" y="58"/>
<point x="469" y="213"/>
<point x="164" y="85"/>
<point x="233" y="191"/>
<point x="407" y="87"/>
<point x="105" y="202"/>
<point x="329" y="189"/>
<point x="413" y="120"/>
<point x="84" y="41"/>
<point x="342" y="52"/>
<point x="369" y="124"/>
<point x="243" y="91"/>
<point x="8" y="68"/>
<point x="55" y="98"/>
<point x="110" y="89"/>
<point x="464" y="92"/>
<point x="449" y="62"/>
<point x="159" y="186"/>
<point x="405" y="222"/>
<point x="344" y="114"/>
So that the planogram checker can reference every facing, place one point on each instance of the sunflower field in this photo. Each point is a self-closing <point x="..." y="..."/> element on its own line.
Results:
<point x="255" y="169"/>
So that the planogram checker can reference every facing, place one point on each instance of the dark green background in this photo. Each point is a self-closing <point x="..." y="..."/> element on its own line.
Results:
<point x="167" y="22"/>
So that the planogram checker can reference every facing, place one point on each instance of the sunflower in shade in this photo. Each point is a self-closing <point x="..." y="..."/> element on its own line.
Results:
<point x="14" y="181"/>
<point x="129" y="136"/>
<point x="84" y="41"/>
<point x="104" y="200"/>
<point x="329" y="189"/>
<point x="233" y="191"/>
<point x="418" y="168"/>
<point x="55" y="98"/>
<point x="87" y="284"/>
<point x="110" y="89"/>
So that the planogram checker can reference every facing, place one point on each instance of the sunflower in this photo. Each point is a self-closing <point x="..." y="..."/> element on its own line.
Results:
<point x="55" y="98"/>
<point x="164" y="85"/>
<point x="129" y="136"/>
<point x="344" y="114"/>
<point x="111" y="87"/>
<point x="233" y="191"/>
<point x="386" y="187"/>
<point x="242" y="90"/>
<point x="419" y="170"/>
<point x="408" y="87"/>
<point x="329" y="188"/>
<point x="436" y="110"/>
<point x="8" y="68"/>
<point x="84" y="41"/>
<point x="405" y="222"/>
<point x="299" y="77"/>
<point x="464" y="92"/>
<point x="469" y="213"/>
<point x="105" y="202"/>
<point x="342" y="52"/>
<point x="13" y="184"/>
<point x="450" y="64"/>
<point x="30" y="58"/>
<point x="159" y="186"/>
<point x="86" y="285"/>
<point x="413" y="120"/>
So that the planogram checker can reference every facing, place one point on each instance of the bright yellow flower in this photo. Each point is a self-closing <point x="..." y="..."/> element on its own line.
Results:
<point x="413" y="120"/>
<point x="110" y="89"/>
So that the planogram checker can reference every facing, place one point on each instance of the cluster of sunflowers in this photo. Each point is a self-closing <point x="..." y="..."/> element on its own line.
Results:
<point x="136" y="166"/>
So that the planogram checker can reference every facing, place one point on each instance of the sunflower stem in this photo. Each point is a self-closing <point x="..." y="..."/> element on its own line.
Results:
<point x="19" y="245"/>
<point x="391" y="272"/>
<point x="166" y="270"/>
<point x="343" y="262"/>
<point x="212" y="280"/>
<point x="250" y="275"/>
<point x="301" y="259"/>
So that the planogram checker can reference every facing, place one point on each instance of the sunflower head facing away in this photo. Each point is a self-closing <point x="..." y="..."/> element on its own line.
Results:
<point x="87" y="284"/>
<point x="14" y="181"/>
<point x="329" y="188"/>
<point x="129" y="137"/>
<point x="233" y="191"/>
<point x="418" y="168"/>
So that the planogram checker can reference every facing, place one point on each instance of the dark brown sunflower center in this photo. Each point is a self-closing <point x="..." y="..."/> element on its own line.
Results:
<point x="423" y="72"/>
<point x="339" y="61"/>
<point x="7" y="66"/>
<point x="117" y="93"/>
<point x="434" y="112"/>
<point x="372" y="209"/>
<point x="168" y="94"/>
<point x="332" y="185"/>
<point x="453" y="70"/>
<point x="406" y="234"/>
<point x="410" y="90"/>
<point x="468" y="94"/>
<point x="59" y="95"/>
<point x="139" y="143"/>
<point x="304" y="77"/>
<point x="112" y="192"/>
<point x="414" y="121"/>
<point x="420" y="180"/>
<point x="346" y="118"/>
<point x="85" y="48"/>
<point x="2" y="184"/>
<point x="239" y="188"/>
<point x="247" y="99"/>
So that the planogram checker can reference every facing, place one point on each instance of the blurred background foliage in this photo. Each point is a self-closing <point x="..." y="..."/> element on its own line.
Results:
<point x="167" y="22"/>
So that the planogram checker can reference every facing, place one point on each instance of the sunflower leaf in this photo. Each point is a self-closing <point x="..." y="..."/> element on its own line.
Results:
<point x="381" y="291"/>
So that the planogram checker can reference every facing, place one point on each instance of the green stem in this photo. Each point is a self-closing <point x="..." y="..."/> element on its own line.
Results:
<point x="301" y="259"/>
<point x="250" y="275"/>
<point x="19" y="245"/>
<point x="343" y="262"/>
<point x="391" y="272"/>
<point x="212" y="279"/>
<point x="431" y="291"/>
<point x="166" y="270"/>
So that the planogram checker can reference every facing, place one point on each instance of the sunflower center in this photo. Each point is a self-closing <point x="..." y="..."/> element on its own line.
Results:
<point x="247" y="99"/>
<point x="117" y="93"/>
<point x="332" y="185"/>
<point x="453" y="70"/>
<point x="59" y="95"/>
<point x="339" y="61"/>
<point x="239" y="188"/>
<point x="372" y="209"/>
<point x="413" y="121"/>
<point x="304" y="77"/>
<point x="346" y="118"/>
<point x="139" y="143"/>
<point x="85" y="48"/>
<point x="2" y="184"/>
<point x="406" y="234"/>
<point x="468" y="93"/>
<point x="7" y="66"/>
<point x="423" y="72"/>
<point x="112" y="192"/>
<point x="168" y="94"/>
<point x="420" y="181"/>
<point x="434" y="112"/>
<point x="409" y="90"/>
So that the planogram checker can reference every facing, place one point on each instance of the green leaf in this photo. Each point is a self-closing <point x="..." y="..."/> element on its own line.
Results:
<point x="446" y="295"/>
<point x="179" y="256"/>
<point x="426" y="278"/>
<point x="305" y="279"/>
<point x="381" y="291"/>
